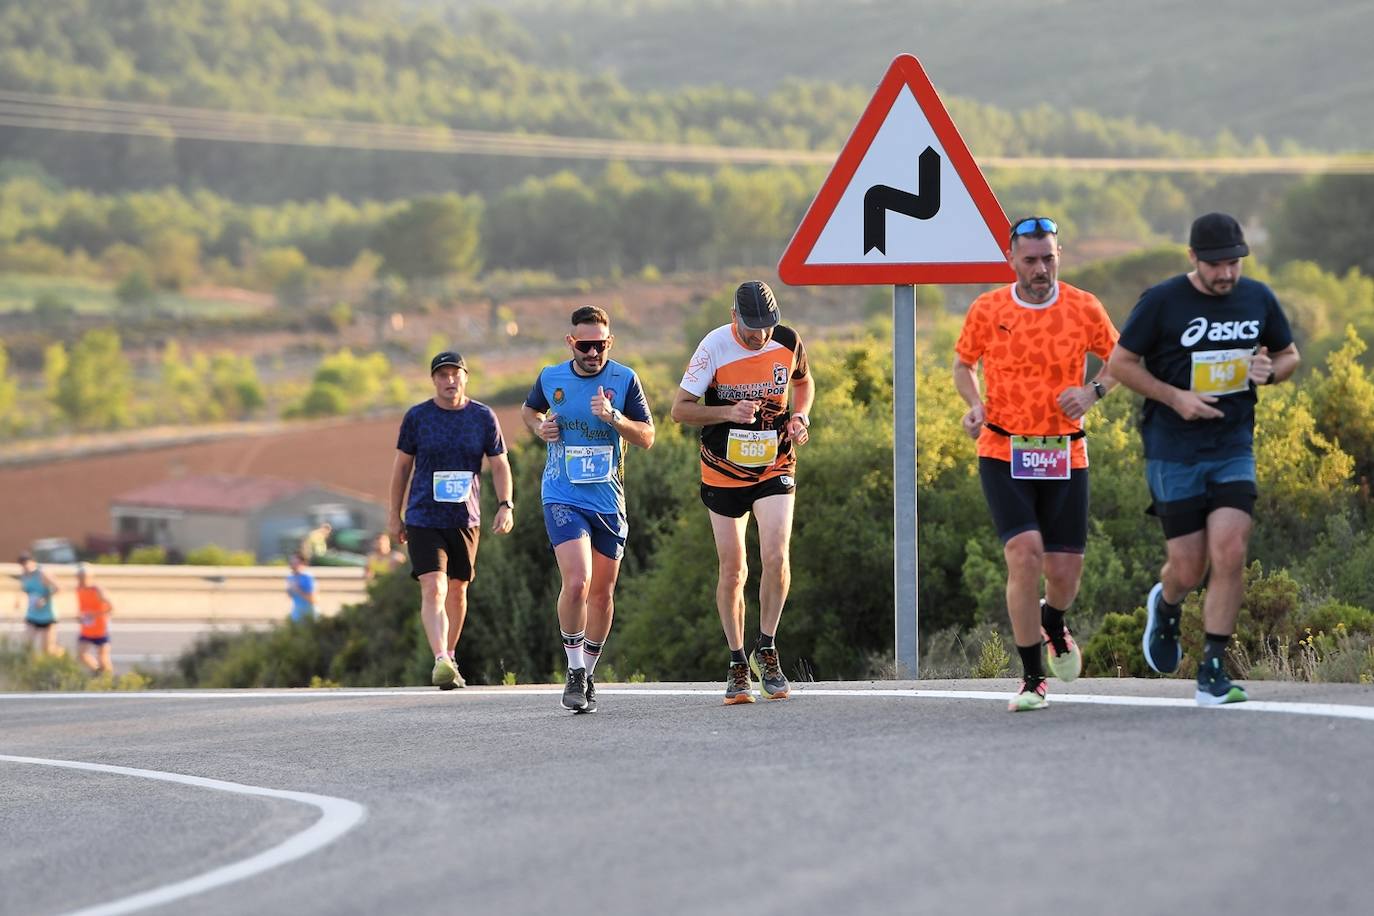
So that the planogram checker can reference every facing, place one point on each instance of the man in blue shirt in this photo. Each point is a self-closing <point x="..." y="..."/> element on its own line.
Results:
<point x="300" y="585"/>
<point x="439" y="454"/>
<point x="585" y="410"/>
<point x="1196" y="346"/>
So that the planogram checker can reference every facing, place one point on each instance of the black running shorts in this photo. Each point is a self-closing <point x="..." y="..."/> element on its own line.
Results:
<point x="1058" y="509"/>
<point x="451" y="550"/>
<point x="734" y="502"/>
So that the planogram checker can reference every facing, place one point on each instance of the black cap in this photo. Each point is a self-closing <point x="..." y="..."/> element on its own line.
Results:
<point x="447" y="358"/>
<point x="25" y="556"/>
<point x="1217" y="237"/>
<point x="756" y="306"/>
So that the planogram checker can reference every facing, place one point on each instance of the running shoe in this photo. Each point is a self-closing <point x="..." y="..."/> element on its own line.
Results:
<point x="575" y="693"/>
<point x="1214" y="687"/>
<point x="1066" y="661"/>
<point x="445" y="673"/>
<point x="1029" y="697"/>
<point x="738" y="689"/>
<point x="764" y="662"/>
<point x="1160" y="642"/>
<point x="591" y="696"/>
<point x="457" y="681"/>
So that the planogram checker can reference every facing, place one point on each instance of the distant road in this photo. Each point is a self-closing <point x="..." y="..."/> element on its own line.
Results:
<point x="872" y="798"/>
<point x="160" y="611"/>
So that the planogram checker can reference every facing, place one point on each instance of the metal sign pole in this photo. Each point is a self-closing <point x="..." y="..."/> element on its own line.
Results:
<point x="904" y="478"/>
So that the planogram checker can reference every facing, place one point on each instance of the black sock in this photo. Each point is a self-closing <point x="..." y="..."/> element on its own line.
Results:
<point x="1170" y="609"/>
<point x="737" y="657"/>
<point x="765" y="641"/>
<point x="1213" y="652"/>
<point x="1052" y="619"/>
<point x="1030" y="662"/>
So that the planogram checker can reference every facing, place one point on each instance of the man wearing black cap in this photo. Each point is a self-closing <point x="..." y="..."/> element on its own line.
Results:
<point x="749" y="440"/>
<point x="1197" y="346"/>
<point x="436" y="473"/>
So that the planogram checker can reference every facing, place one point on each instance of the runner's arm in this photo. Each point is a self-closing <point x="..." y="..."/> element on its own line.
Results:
<point x="1129" y="369"/>
<point x="688" y="410"/>
<point x="501" y="482"/>
<point x="400" y="482"/>
<point x="966" y="383"/>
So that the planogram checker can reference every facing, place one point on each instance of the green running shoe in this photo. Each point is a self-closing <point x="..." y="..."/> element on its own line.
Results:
<point x="1065" y="665"/>
<point x="445" y="673"/>
<point x="769" y="672"/>
<point x="1029" y="697"/>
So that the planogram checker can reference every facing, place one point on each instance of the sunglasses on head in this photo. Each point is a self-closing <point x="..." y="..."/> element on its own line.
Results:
<point x="1033" y="225"/>
<point x="592" y="346"/>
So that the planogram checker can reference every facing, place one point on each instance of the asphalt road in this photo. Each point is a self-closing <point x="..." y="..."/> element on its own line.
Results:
<point x="869" y="798"/>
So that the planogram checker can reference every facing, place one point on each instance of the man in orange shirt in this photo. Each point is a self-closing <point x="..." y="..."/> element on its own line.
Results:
<point x="94" y="610"/>
<point x="749" y="440"/>
<point x="1033" y="339"/>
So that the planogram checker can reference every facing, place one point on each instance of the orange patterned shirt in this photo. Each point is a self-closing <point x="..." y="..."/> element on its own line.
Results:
<point x="1030" y="354"/>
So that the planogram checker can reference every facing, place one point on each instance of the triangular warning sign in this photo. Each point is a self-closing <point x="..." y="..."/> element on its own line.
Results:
<point x="905" y="203"/>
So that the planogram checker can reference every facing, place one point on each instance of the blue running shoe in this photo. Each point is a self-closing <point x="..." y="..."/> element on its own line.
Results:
<point x="1214" y="687"/>
<point x="1160" y="642"/>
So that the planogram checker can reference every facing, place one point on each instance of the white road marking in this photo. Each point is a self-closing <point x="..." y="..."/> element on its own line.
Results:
<point x="338" y="816"/>
<point x="1337" y="710"/>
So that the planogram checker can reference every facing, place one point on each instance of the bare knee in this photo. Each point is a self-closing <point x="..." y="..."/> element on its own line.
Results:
<point x="733" y="574"/>
<point x="434" y="588"/>
<point x="1025" y="556"/>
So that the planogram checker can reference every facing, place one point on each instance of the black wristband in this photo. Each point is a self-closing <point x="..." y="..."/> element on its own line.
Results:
<point x="1270" y="379"/>
<point x="507" y="503"/>
<point x="1100" y="388"/>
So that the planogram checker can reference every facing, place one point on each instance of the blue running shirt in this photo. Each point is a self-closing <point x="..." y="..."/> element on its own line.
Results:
<point x="586" y="466"/>
<point x="448" y="446"/>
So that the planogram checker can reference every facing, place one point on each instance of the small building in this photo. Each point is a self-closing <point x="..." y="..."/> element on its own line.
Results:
<point x="265" y="516"/>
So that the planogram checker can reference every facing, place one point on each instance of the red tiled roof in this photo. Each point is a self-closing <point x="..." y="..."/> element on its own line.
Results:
<point x="211" y="493"/>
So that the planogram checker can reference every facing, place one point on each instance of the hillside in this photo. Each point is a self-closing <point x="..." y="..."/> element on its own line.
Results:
<point x="1194" y="68"/>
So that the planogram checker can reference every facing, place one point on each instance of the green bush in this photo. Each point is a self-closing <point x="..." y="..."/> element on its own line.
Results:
<point x="214" y="555"/>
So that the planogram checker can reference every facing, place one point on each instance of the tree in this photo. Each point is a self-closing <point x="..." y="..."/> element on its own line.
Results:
<point x="136" y="290"/>
<point x="96" y="389"/>
<point x="1324" y="220"/>
<point x="432" y="237"/>
<point x="9" y="389"/>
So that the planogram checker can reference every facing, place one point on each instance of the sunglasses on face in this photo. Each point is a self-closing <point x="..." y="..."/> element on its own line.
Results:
<point x="592" y="346"/>
<point x="1033" y="225"/>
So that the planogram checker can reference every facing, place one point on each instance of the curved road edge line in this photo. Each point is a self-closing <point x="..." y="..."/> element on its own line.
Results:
<point x="338" y="816"/>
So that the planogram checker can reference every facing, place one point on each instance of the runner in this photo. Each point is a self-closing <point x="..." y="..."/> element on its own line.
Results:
<point x="1196" y="346"/>
<point x="94" y="609"/>
<point x="437" y="474"/>
<point x="583" y="409"/>
<point x="40" y="618"/>
<point x="1033" y="338"/>
<point x="749" y="441"/>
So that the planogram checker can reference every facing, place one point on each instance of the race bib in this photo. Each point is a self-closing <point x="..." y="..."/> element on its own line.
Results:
<point x="752" y="448"/>
<point x="1221" y="371"/>
<point x="588" y="463"/>
<point x="1040" y="457"/>
<point x="452" y="486"/>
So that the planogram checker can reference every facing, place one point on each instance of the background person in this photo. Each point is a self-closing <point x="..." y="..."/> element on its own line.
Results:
<point x="436" y="474"/>
<point x="1196" y="347"/>
<point x="94" y="610"/>
<point x="585" y="410"/>
<point x="749" y="440"/>
<point x="40" y="615"/>
<point x="1033" y="338"/>
<point x="382" y="558"/>
<point x="300" y="585"/>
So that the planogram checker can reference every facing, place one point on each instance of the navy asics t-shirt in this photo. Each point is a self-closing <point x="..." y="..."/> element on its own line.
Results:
<point x="448" y="446"/>
<point x="586" y="466"/>
<point x="1203" y="343"/>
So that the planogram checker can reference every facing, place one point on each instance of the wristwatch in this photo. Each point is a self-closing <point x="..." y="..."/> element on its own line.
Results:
<point x="1100" y="388"/>
<point x="806" y="421"/>
<point x="507" y="503"/>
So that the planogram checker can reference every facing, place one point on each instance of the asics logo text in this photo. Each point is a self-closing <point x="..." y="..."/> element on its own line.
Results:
<point x="1200" y="327"/>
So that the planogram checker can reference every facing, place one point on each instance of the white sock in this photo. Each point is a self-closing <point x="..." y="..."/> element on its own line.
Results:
<point x="572" y="644"/>
<point x="591" y="654"/>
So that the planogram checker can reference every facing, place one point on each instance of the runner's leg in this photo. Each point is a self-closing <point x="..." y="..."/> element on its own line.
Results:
<point x="729" y="535"/>
<point x="774" y="515"/>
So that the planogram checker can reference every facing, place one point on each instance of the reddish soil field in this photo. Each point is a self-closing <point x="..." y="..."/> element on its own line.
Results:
<point x="71" y="497"/>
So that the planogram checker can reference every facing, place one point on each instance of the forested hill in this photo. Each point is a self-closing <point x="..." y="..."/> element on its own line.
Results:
<point x="455" y="65"/>
<point x="1281" y="72"/>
